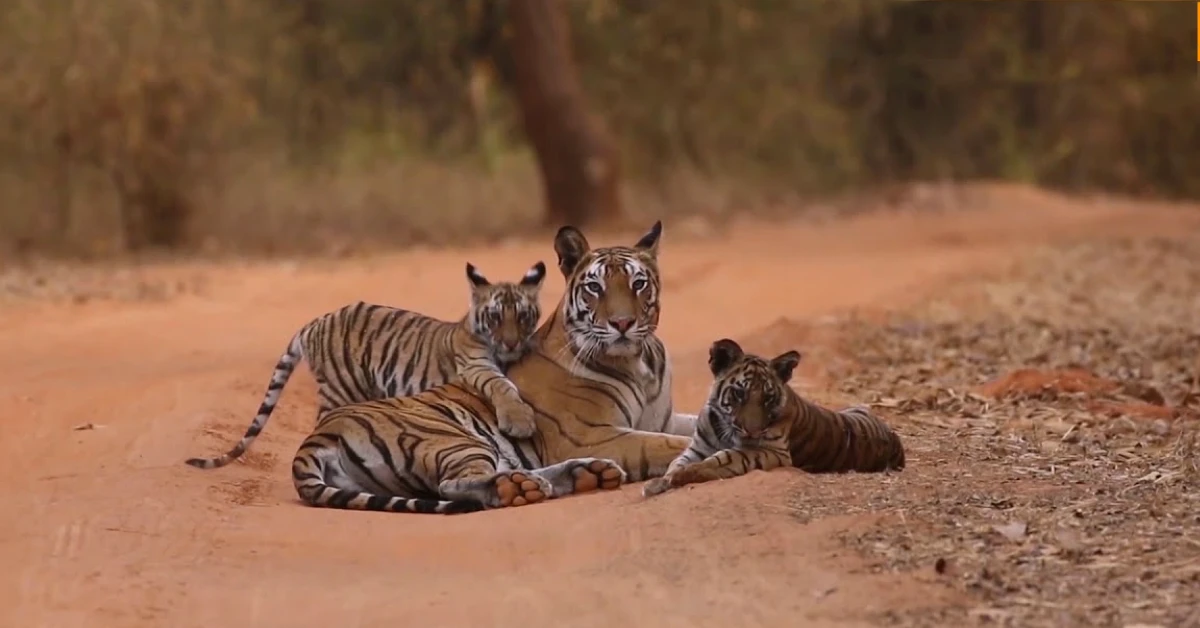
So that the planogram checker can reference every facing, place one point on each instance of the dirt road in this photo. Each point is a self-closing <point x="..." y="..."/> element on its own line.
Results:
<point x="108" y="527"/>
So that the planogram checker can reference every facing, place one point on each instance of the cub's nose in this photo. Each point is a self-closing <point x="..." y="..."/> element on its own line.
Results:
<point x="622" y="324"/>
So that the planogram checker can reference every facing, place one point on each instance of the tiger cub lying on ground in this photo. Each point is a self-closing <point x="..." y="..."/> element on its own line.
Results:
<point x="364" y="352"/>
<point x="754" y="420"/>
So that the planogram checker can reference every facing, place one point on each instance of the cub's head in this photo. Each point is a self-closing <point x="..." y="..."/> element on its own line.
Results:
<point x="749" y="394"/>
<point x="610" y="306"/>
<point x="505" y="315"/>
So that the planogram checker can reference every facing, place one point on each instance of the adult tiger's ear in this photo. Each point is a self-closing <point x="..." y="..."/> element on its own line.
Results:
<point x="649" y="242"/>
<point x="723" y="354"/>
<point x="475" y="277"/>
<point x="571" y="246"/>
<point x="784" y="363"/>
<point x="534" y="276"/>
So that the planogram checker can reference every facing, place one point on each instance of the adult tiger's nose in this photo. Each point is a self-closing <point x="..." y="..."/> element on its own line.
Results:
<point x="621" y="323"/>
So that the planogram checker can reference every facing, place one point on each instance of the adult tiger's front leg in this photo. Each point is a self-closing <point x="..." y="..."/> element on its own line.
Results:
<point x="643" y="455"/>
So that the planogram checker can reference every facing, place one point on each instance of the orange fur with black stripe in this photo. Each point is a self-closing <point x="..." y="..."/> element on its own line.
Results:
<point x="364" y="352"/>
<point x="754" y="420"/>
<point x="598" y="380"/>
<point x="440" y="452"/>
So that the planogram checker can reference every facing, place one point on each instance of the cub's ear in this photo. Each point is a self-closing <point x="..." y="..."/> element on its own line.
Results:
<point x="534" y="276"/>
<point x="475" y="277"/>
<point x="649" y="242"/>
<point x="723" y="354"/>
<point x="571" y="246"/>
<point x="784" y="364"/>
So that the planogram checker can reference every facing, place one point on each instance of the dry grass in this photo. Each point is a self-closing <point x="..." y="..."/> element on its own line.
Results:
<point x="1051" y="417"/>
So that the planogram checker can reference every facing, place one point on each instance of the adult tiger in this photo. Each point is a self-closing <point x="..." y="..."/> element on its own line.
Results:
<point x="363" y="352"/>
<point x="754" y="420"/>
<point x="598" y="380"/>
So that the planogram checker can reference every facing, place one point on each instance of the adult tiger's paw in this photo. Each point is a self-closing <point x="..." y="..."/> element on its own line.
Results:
<point x="598" y="474"/>
<point x="517" y="488"/>
<point x="516" y="419"/>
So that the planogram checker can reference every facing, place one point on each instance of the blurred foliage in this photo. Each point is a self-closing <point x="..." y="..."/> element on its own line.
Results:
<point x="158" y="105"/>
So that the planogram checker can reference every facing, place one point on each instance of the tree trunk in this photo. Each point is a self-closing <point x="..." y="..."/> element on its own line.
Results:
<point x="576" y="156"/>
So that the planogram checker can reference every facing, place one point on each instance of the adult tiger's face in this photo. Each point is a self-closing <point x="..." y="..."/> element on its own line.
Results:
<point x="611" y="301"/>
<point x="749" y="394"/>
<point x="505" y="315"/>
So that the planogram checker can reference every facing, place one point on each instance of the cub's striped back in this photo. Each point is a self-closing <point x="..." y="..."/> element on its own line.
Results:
<point x="838" y="441"/>
<point x="754" y="420"/>
<point x="364" y="352"/>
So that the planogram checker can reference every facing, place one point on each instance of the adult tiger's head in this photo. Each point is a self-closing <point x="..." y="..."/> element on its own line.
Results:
<point x="749" y="395"/>
<point x="505" y="315"/>
<point x="610" y="306"/>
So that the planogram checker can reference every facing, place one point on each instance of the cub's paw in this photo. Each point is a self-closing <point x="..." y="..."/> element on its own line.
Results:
<point x="516" y="419"/>
<point x="517" y="488"/>
<point x="656" y="486"/>
<point x="597" y="474"/>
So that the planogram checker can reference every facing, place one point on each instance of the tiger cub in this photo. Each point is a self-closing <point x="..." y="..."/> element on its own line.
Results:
<point x="754" y="420"/>
<point x="364" y="352"/>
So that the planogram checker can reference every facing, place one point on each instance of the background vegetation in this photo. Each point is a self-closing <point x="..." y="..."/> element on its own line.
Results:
<point x="271" y="125"/>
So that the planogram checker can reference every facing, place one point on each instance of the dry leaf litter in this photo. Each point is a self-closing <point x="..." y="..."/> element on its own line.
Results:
<point x="1050" y="415"/>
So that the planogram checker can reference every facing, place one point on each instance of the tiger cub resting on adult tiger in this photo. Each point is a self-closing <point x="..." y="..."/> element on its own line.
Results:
<point x="754" y="420"/>
<point x="598" y="377"/>
<point x="364" y="352"/>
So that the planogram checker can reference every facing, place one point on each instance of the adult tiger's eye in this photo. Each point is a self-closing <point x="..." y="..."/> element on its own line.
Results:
<point x="593" y="287"/>
<point x="639" y="285"/>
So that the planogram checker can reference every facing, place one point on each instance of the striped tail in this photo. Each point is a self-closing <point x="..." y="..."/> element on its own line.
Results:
<point x="283" y="372"/>
<point x="306" y="475"/>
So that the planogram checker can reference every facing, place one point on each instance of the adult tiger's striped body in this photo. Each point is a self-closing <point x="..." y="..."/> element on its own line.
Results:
<point x="446" y="459"/>
<point x="754" y="420"/>
<point x="599" y="382"/>
<point x="363" y="352"/>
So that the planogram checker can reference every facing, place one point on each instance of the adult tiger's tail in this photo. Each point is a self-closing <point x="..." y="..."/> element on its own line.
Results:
<point x="852" y="439"/>
<point x="279" y="378"/>
<point x="308" y="475"/>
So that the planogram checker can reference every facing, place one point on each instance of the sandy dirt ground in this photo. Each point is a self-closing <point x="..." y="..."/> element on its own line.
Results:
<point x="103" y="399"/>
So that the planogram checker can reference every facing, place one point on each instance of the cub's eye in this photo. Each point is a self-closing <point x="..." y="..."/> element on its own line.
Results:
<point x="639" y="284"/>
<point x="493" y="317"/>
<point x="593" y="287"/>
<point x="734" y="395"/>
